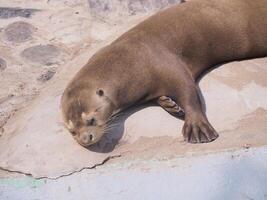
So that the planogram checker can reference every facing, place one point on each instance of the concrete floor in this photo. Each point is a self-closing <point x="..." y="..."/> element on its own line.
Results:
<point x="237" y="175"/>
<point x="240" y="116"/>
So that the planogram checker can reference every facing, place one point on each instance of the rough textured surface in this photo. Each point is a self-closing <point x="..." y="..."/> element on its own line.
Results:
<point x="6" y="12"/>
<point x="33" y="139"/>
<point x="104" y="8"/>
<point x="46" y="75"/>
<point x="19" y="32"/>
<point x="34" y="34"/>
<point x="42" y="54"/>
<point x="3" y="64"/>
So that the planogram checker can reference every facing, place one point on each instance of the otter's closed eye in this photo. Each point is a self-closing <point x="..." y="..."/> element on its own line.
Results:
<point x="91" y="122"/>
<point x="73" y="133"/>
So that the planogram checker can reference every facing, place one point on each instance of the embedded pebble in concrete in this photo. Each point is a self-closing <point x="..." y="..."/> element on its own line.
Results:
<point x="42" y="54"/>
<point x="130" y="7"/>
<point x="3" y="64"/>
<point x="7" y="12"/>
<point x="19" y="32"/>
<point x="46" y="75"/>
<point x="2" y="130"/>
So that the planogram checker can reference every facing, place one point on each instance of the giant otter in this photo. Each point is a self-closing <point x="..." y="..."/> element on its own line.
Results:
<point x="161" y="59"/>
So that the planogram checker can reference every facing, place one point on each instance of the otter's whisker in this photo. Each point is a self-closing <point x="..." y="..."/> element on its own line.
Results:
<point x="115" y="116"/>
<point x="113" y="124"/>
<point x="111" y="127"/>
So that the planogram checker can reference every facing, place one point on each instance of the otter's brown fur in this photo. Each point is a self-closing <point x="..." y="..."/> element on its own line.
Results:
<point x="161" y="58"/>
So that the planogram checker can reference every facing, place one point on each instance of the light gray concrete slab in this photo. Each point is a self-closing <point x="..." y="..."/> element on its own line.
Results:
<point x="233" y="175"/>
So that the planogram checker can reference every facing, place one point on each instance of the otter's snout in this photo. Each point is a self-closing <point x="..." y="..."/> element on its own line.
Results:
<point x="86" y="139"/>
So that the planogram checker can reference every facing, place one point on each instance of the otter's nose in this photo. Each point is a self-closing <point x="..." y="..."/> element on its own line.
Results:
<point x="86" y="138"/>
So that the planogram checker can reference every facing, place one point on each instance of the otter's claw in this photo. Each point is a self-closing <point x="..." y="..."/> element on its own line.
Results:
<point x="199" y="131"/>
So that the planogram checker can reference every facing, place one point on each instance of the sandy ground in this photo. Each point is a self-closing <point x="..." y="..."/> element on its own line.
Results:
<point x="39" y="57"/>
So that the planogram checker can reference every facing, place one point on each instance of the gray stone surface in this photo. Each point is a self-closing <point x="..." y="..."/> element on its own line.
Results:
<point x="46" y="75"/>
<point x="8" y="12"/>
<point x="131" y="7"/>
<point x="42" y="54"/>
<point x="19" y="32"/>
<point x="29" y="23"/>
<point x="3" y="64"/>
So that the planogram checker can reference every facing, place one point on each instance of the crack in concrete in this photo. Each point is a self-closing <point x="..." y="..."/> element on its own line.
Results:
<point x="64" y="175"/>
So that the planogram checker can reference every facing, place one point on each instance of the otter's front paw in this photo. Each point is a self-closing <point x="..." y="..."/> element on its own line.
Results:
<point x="199" y="131"/>
<point x="171" y="106"/>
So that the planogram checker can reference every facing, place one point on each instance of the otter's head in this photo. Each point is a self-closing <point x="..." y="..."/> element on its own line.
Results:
<point x="86" y="114"/>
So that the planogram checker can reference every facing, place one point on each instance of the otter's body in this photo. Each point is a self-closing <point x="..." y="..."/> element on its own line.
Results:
<point x="161" y="58"/>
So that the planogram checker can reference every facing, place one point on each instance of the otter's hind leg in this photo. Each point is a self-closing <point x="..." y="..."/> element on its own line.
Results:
<point x="184" y="93"/>
<point x="197" y="128"/>
<point x="170" y="106"/>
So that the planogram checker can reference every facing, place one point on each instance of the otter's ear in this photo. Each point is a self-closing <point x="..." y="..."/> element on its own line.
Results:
<point x="100" y="92"/>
